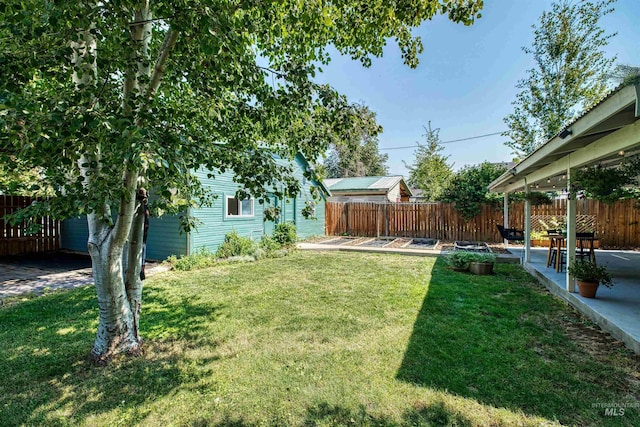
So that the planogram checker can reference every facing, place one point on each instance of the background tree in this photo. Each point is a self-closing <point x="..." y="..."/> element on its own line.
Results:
<point x="107" y="97"/>
<point x="570" y="74"/>
<point x="358" y="154"/>
<point x="18" y="181"/>
<point x="469" y="188"/>
<point x="430" y="171"/>
<point x="626" y="75"/>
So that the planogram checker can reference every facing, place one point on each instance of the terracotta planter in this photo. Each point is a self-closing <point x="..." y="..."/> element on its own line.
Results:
<point x="481" y="268"/>
<point x="587" y="289"/>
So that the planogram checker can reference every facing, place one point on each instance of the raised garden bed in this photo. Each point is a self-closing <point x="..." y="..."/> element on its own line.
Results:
<point x="376" y="243"/>
<point x="471" y="246"/>
<point x="423" y="244"/>
<point x="382" y="242"/>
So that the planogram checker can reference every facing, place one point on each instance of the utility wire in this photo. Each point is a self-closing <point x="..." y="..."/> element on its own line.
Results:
<point x="444" y="142"/>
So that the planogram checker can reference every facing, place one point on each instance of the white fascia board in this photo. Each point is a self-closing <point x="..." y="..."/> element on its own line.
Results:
<point x="620" y="140"/>
<point x="609" y="107"/>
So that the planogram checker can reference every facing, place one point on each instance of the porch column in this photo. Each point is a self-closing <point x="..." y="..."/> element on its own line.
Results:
<point x="505" y="221"/>
<point x="571" y="229"/>
<point x="527" y="225"/>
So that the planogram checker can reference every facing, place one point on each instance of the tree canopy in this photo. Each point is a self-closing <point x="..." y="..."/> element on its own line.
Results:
<point x="570" y="73"/>
<point x="430" y="171"/>
<point x="357" y="154"/>
<point x="469" y="188"/>
<point x="103" y="98"/>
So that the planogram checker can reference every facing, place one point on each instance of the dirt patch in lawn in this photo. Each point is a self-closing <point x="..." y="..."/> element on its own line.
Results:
<point x="601" y="345"/>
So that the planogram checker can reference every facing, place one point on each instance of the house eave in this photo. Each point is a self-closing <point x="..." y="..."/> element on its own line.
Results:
<point x="609" y="128"/>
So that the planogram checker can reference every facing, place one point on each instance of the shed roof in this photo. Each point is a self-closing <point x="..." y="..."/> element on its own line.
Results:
<point x="367" y="183"/>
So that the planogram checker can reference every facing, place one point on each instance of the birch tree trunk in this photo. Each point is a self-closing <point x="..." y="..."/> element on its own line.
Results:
<point x="118" y="321"/>
<point x="117" y="327"/>
<point x="133" y="283"/>
<point x="119" y="292"/>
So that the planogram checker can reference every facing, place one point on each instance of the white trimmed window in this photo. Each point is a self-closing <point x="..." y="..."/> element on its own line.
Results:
<point x="239" y="208"/>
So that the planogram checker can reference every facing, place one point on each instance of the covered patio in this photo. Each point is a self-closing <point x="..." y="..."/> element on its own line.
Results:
<point x="604" y="135"/>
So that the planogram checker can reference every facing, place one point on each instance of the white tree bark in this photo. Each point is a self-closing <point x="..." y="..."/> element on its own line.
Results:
<point x="119" y="288"/>
<point x="118" y="323"/>
<point x="117" y="327"/>
<point x="133" y="284"/>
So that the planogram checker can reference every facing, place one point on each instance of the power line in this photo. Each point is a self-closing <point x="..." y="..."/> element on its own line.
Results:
<point x="444" y="142"/>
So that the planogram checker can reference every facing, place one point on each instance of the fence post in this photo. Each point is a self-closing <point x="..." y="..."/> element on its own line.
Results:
<point x="386" y="219"/>
<point x="346" y="217"/>
<point x="377" y="221"/>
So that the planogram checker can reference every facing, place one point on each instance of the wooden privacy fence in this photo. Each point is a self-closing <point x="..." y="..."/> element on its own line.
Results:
<point x="616" y="225"/>
<point x="15" y="240"/>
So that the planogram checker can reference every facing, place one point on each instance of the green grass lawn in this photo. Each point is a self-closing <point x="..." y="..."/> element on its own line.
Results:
<point x="319" y="339"/>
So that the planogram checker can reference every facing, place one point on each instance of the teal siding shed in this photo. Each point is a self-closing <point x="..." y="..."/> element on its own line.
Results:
<point x="214" y="221"/>
<point x="165" y="237"/>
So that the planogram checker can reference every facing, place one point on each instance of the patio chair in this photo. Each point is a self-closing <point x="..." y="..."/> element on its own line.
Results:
<point x="511" y="234"/>
<point x="580" y="251"/>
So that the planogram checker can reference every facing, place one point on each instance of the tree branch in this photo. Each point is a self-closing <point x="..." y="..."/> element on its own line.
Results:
<point x="126" y="211"/>
<point x="139" y="65"/>
<point x="158" y="69"/>
<point x="272" y="71"/>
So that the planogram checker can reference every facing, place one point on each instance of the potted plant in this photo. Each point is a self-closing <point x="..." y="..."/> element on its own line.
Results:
<point x="589" y="276"/>
<point x="482" y="263"/>
<point x="459" y="260"/>
<point x="539" y="238"/>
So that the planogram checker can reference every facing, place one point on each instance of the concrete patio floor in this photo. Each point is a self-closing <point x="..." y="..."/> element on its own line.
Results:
<point x="617" y="309"/>
<point x="29" y="274"/>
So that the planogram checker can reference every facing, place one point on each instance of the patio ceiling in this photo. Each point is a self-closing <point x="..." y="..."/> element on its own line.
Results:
<point x="605" y="134"/>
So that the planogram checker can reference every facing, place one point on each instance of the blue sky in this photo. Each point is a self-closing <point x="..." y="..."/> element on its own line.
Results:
<point x="466" y="79"/>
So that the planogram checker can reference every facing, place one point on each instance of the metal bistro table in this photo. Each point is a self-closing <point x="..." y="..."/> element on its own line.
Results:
<point x="558" y="242"/>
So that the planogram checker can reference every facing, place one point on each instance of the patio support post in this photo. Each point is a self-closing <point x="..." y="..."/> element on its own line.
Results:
<point x="506" y="215"/>
<point x="571" y="229"/>
<point x="527" y="225"/>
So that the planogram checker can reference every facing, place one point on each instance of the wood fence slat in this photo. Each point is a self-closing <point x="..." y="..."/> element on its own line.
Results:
<point x="15" y="240"/>
<point x="616" y="225"/>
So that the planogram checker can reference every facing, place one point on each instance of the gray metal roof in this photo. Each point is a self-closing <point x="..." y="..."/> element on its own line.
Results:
<point x="367" y="183"/>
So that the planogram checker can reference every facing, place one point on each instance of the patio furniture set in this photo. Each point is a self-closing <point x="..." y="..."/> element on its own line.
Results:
<point x="557" y="253"/>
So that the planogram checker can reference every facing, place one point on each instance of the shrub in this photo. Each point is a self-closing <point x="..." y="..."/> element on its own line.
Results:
<point x="482" y="257"/>
<point x="285" y="234"/>
<point x="201" y="258"/>
<point x="537" y="198"/>
<point x="235" y="245"/>
<point x="459" y="259"/>
<point x="468" y="189"/>
<point x="269" y="244"/>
